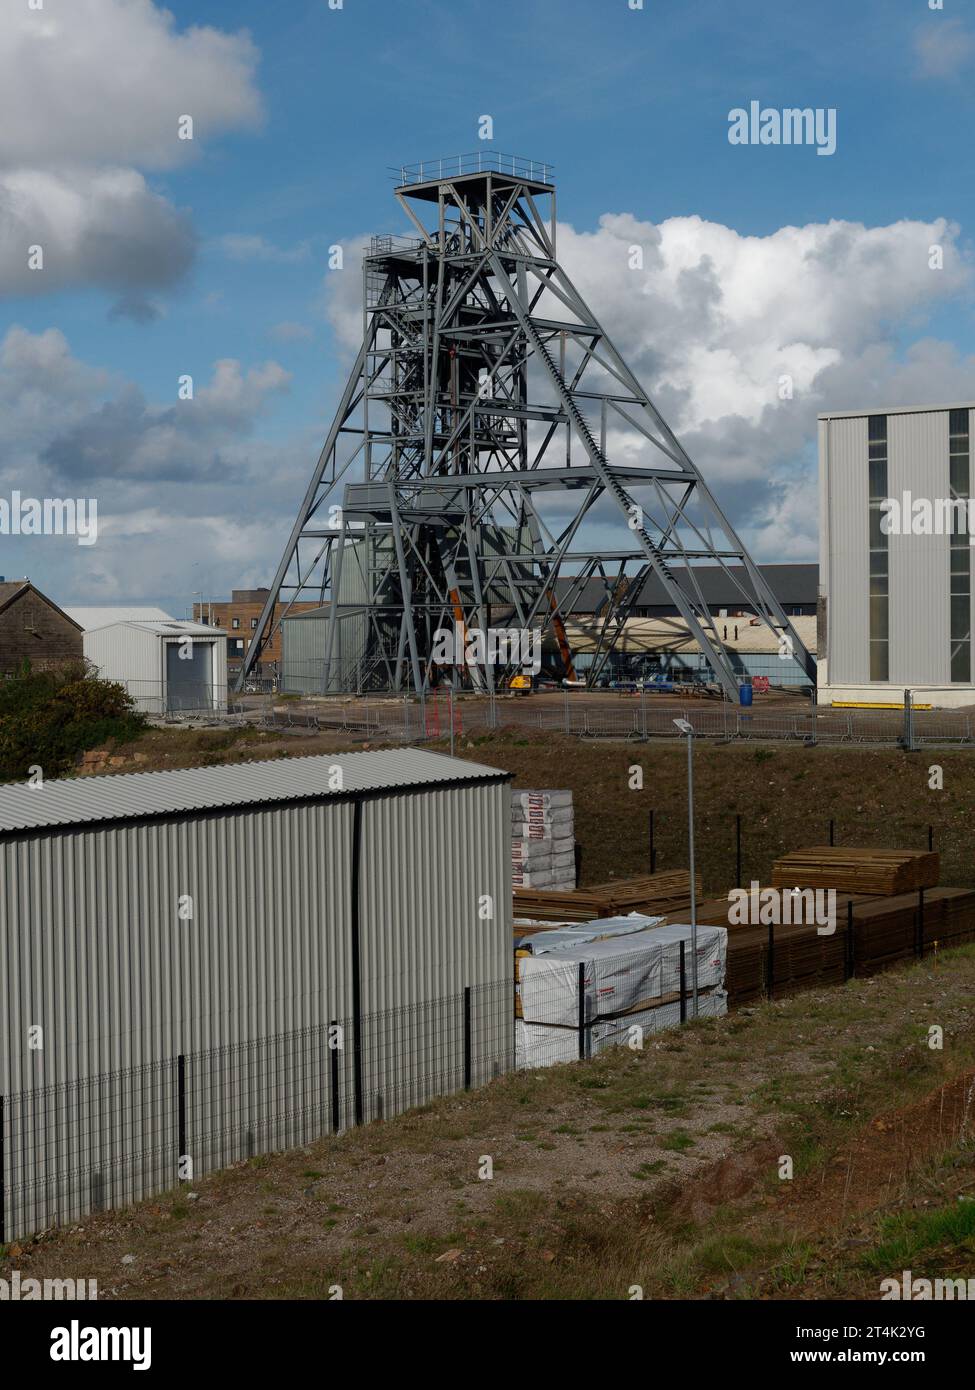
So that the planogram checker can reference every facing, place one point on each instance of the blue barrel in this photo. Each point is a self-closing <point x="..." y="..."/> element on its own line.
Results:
<point x="745" y="694"/>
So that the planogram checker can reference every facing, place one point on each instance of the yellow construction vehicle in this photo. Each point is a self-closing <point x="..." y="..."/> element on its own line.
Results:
<point x="521" y="684"/>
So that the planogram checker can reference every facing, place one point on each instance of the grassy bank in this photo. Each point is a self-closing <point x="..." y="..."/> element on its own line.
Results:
<point x="786" y="795"/>
<point x="658" y="1169"/>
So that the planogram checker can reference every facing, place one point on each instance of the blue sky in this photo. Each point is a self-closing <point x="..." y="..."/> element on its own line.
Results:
<point x="632" y="109"/>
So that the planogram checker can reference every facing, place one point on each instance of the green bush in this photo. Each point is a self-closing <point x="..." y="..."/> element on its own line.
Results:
<point x="49" y="718"/>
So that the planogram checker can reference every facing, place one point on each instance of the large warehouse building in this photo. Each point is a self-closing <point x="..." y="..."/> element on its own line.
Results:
<point x="217" y="962"/>
<point x="895" y="556"/>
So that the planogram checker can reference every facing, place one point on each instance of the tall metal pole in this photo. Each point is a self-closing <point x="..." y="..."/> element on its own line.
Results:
<point x="690" y="842"/>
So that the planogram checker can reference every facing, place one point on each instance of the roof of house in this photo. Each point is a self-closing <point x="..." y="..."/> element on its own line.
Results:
<point x="138" y="795"/>
<point x="11" y="589"/>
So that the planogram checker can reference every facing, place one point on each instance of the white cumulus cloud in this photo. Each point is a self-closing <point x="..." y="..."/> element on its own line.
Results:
<point x="92" y="94"/>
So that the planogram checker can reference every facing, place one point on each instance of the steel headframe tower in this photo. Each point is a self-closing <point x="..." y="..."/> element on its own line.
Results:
<point x="486" y="416"/>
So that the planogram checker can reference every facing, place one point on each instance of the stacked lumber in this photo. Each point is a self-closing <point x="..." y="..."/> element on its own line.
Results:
<point x="715" y="911"/>
<point x="655" y="895"/>
<point x="885" y="871"/>
<point x="956" y="907"/>
<point x="801" y="959"/>
<point x="885" y="932"/>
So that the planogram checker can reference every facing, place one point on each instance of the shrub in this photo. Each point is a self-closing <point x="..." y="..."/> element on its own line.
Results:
<point x="48" y="718"/>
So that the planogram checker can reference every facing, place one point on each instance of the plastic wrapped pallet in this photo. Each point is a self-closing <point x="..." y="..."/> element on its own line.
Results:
<point x="544" y="831"/>
<point x="573" y="934"/>
<point x="621" y="974"/>
<point x="540" y="801"/>
<point x="543" y="840"/>
<point x="542" y="1045"/>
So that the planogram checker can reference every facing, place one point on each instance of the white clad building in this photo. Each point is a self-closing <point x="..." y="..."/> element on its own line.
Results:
<point x="168" y="665"/>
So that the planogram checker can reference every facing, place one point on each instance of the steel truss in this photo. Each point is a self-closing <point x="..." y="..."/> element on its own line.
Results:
<point x="490" y="425"/>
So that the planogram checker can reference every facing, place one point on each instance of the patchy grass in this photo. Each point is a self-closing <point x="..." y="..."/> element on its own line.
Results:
<point x="658" y="1168"/>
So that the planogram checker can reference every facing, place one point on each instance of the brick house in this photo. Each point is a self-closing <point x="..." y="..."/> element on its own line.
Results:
<point x="239" y="617"/>
<point x="34" y="629"/>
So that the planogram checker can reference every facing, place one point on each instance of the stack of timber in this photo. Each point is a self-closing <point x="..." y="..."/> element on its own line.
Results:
<point x="886" y="871"/>
<point x="894" y="929"/>
<point x="656" y="894"/>
<point x="886" y="931"/>
<point x="801" y="959"/>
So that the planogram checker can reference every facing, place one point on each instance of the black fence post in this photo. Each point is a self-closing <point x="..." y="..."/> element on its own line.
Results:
<point x="683" y="983"/>
<point x="738" y="851"/>
<point x="919" y="931"/>
<point x="770" y="961"/>
<point x="578" y="855"/>
<point x="582" y="1010"/>
<point x="653" y="851"/>
<point x="832" y="832"/>
<point x="181" y="1110"/>
<point x="850" y="944"/>
<point x="333" y="1063"/>
<point x="467" y="1038"/>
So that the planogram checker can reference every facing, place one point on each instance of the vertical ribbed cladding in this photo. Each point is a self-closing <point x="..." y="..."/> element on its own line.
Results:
<point x="920" y="631"/>
<point x="849" y="551"/>
<point x="96" y="954"/>
<point x="428" y="860"/>
<point x="93" y="950"/>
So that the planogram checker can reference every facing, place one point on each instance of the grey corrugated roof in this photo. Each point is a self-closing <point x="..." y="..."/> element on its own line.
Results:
<point x="104" y="616"/>
<point x="128" y="795"/>
<point x="790" y="583"/>
<point x="892" y="410"/>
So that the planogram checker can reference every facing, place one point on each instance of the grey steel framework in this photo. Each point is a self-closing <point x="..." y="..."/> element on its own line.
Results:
<point x="491" y="424"/>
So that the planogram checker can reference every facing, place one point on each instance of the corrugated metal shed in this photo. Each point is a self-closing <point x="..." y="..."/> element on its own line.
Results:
<point x="193" y="936"/>
<point x="165" y="664"/>
<point x="304" y="639"/>
<point x="136" y="795"/>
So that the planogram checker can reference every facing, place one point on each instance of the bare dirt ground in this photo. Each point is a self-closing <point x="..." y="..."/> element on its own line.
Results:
<point x="659" y="1168"/>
